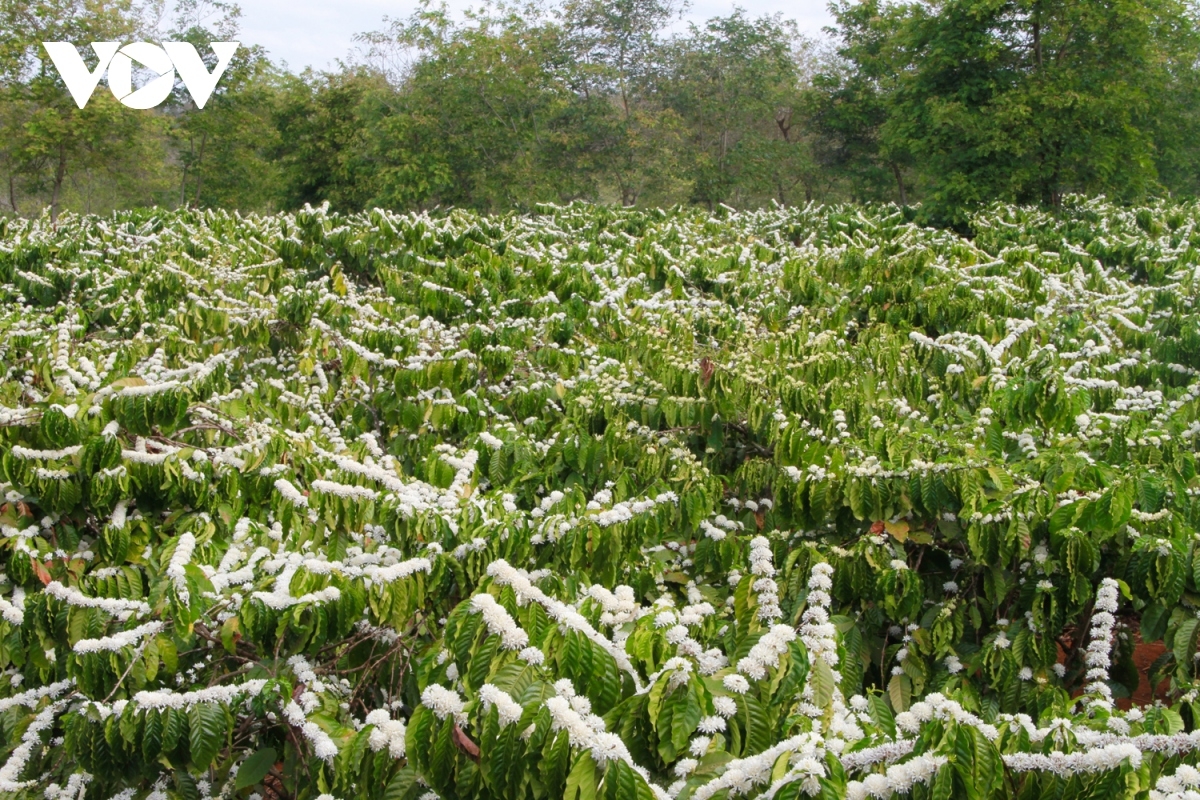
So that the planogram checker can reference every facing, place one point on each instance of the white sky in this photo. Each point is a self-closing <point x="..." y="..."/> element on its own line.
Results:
<point x="317" y="32"/>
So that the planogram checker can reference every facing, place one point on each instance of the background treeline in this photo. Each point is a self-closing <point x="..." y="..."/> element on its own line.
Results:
<point x="949" y="103"/>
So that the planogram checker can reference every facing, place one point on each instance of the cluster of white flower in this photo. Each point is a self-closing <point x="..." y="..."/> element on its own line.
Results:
<point x="388" y="734"/>
<point x="75" y="789"/>
<point x="464" y="467"/>
<point x="762" y="567"/>
<point x="291" y="493"/>
<point x="766" y="651"/>
<point x="118" y="641"/>
<point x="742" y="775"/>
<point x="324" y="747"/>
<point x="620" y="605"/>
<point x="14" y="612"/>
<point x="165" y="698"/>
<point x="118" y="607"/>
<point x="627" y="510"/>
<point x="280" y="597"/>
<point x="506" y="575"/>
<point x="31" y="697"/>
<point x="1097" y="656"/>
<point x="491" y="441"/>
<point x="897" y="779"/>
<point x="816" y="631"/>
<point x="20" y="452"/>
<point x="1183" y="785"/>
<point x="1100" y="759"/>
<point x="554" y="526"/>
<point x="937" y="706"/>
<point x="509" y="710"/>
<point x="884" y="753"/>
<point x="499" y="623"/>
<point x="176" y="569"/>
<point x="344" y="490"/>
<point x="444" y="703"/>
<point x="572" y="713"/>
<point x="10" y="773"/>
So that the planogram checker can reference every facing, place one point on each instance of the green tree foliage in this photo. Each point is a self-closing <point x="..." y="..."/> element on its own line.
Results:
<point x="849" y="104"/>
<point x="617" y="61"/>
<point x="99" y="155"/>
<point x="224" y="148"/>
<point x="321" y="142"/>
<point x="946" y="106"/>
<point x="485" y="117"/>
<point x="735" y="84"/>
<point x="1022" y="101"/>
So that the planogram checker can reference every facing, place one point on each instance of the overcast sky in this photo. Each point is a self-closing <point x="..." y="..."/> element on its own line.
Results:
<point x="316" y="32"/>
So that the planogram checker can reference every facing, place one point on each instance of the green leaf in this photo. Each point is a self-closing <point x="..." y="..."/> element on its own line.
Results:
<point x="1154" y="622"/>
<point x="186" y="785"/>
<point x="581" y="780"/>
<point x="255" y="768"/>
<point x="755" y="723"/>
<point x="823" y="684"/>
<point x="1184" y="641"/>
<point x="206" y="733"/>
<point x="964" y="762"/>
<point x="1065" y="516"/>
<point x="900" y="692"/>
<point x="403" y="786"/>
<point x="943" y="785"/>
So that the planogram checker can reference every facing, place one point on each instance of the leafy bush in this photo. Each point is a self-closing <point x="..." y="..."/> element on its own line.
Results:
<point x="599" y="503"/>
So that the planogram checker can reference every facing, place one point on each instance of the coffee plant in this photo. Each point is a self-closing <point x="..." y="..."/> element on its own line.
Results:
<point x="600" y="503"/>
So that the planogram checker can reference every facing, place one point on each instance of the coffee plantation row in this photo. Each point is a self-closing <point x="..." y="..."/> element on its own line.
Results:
<point x="600" y="503"/>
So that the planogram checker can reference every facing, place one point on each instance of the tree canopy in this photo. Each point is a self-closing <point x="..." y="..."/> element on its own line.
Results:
<point x="942" y="106"/>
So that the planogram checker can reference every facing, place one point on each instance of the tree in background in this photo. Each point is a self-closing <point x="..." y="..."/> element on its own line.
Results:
<point x="322" y="143"/>
<point x="100" y="154"/>
<point x="945" y="105"/>
<point x="735" y="84"/>
<point x="484" y="117"/>
<point x="223" y="149"/>
<point x="848" y="103"/>
<point x="617" y="59"/>
<point x="1020" y="100"/>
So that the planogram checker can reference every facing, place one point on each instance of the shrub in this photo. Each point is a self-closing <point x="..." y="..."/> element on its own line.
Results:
<point x="599" y="503"/>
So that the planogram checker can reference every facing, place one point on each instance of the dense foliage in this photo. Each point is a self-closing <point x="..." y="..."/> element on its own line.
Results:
<point x="599" y="503"/>
<point x="952" y="104"/>
<point x="977" y="100"/>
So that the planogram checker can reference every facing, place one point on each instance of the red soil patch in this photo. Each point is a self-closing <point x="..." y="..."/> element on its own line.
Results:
<point x="1144" y="655"/>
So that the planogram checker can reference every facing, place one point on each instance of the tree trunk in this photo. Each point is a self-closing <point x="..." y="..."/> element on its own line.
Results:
<point x="1037" y="44"/>
<point x="900" y="183"/>
<point x="783" y="120"/>
<point x="12" y="194"/>
<point x="199" y="173"/>
<point x="183" y="187"/>
<point x="60" y="172"/>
